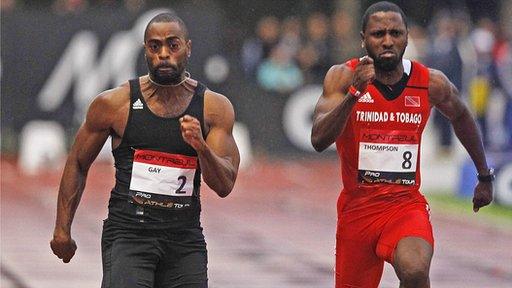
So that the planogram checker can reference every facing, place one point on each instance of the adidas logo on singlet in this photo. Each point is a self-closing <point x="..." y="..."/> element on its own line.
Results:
<point x="137" y="105"/>
<point x="366" y="98"/>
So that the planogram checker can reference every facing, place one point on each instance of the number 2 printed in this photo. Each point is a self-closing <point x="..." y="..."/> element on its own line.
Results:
<point x="183" y="181"/>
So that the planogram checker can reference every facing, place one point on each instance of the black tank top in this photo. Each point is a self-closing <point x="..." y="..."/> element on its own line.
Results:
<point x="158" y="176"/>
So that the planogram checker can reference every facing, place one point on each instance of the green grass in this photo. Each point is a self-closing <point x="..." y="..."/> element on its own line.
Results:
<point x="451" y="204"/>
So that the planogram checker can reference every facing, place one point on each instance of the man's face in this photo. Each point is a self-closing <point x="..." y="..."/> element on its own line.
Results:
<point x="385" y="39"/>
<point x="167" y="52"/>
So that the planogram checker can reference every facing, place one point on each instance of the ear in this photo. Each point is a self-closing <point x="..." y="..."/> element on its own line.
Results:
<point x="362" y="38"/>
<point x="189" y="48"/>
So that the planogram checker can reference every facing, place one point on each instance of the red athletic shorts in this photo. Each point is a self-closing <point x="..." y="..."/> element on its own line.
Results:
<point x="367" y="235"/>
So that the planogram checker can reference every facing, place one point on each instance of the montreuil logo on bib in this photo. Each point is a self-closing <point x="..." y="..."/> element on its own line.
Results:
<point x="412" y="101"/>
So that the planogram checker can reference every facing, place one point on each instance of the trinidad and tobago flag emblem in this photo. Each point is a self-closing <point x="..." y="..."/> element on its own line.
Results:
<point x="412" y="101"/>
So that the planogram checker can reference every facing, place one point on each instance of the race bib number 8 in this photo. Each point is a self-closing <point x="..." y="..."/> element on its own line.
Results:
<point x="163" y="173"/>
<point x="388" y="157"/>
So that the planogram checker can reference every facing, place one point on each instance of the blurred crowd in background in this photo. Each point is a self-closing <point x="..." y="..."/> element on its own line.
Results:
<point x="73" y="6"/>
<point x="286" y="53"/>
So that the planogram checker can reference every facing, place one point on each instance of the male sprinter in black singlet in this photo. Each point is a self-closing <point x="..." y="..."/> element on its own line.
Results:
<point x="167" y="130"/>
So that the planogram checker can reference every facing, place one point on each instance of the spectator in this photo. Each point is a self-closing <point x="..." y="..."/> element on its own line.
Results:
<point x="314" y="57"/>
<point x="418" y="43"/>
<point x="502" y="63"/>
<point x="70" y="6"/>
<point x="480" y="85"/>
<point x="255" y="50"/>
<point x="444" y="56"/>
<point x="134" y="5"/>
<point x="7" y="5"/>
<point x="279" y="73"/>
<point x="291" y="36"/>
<point x="344" y="33"/>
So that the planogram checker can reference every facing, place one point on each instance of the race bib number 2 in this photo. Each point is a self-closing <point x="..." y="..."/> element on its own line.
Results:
<point x="163" y="173"/>
<point x="388" y="157"/>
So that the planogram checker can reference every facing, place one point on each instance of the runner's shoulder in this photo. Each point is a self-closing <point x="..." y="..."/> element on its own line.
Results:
<point x="112" y="99"/>
<point x="338" y="78"/>
<point x="439" y="86"/>
<point x="216" y="101"/>
<point x="217" y="108"/>
<point x="437" y="79"/>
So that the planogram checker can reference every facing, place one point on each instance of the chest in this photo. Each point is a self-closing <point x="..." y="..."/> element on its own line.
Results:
<point x="150" y="113"/>
<point x="170" y="108"/>
<point x="408" y="111"/>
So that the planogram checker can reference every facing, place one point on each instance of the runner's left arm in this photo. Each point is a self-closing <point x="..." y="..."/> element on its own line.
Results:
<point x="445" y="97"/>
<point x="218" y="154"/>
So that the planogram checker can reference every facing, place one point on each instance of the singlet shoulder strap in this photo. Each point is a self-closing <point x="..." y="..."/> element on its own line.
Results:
<point x="134" y="90"/>
<point x="196" y="106"/>
<point x="419" y="76"/>
<point x="200" y="89"/>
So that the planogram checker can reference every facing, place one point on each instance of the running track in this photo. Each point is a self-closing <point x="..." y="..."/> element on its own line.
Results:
<point x="276" y="230"/>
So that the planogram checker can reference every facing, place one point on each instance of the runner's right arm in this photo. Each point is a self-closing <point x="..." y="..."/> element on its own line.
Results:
<point x="218" y="154"/>
<point x="88" y="142"/>
<point x="334" y="106"/>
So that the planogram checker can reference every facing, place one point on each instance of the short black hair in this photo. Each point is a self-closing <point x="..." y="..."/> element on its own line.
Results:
<point x="167" y="17"/>
<point x="382" y="6"/>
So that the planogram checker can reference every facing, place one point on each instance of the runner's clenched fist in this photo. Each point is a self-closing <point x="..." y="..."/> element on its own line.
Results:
<point x="191" y="132"/>
<point x="364" y="73"/>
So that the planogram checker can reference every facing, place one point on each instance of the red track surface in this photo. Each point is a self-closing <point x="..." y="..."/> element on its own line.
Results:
<point x="275" y="230"/>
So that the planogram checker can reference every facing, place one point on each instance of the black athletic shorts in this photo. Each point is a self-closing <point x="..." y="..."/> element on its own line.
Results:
<point x="158" y="258"/>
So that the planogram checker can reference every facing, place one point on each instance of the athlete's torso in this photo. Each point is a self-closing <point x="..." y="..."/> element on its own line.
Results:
<point x="379" y="148"/>
<point x="157" y="172"/>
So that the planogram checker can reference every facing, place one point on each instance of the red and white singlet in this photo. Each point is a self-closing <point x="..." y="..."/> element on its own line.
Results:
<point x="380" y="146"/>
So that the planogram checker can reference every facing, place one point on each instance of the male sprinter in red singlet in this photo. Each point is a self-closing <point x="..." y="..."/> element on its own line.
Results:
<point x="167" y="130"/>
<point x="375" y="110"/>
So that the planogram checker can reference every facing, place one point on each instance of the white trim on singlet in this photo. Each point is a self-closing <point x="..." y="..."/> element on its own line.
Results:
<point x="407" y="66"/>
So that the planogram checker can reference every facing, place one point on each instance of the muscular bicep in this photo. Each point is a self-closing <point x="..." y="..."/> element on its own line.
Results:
<point x="87" y="145"/>
<point x="326" y="103"/>
<point x="92" y="134"/>
<point x="221" y="118"/>
<point x="336" y="83"/>
<point x="444" y="96"/>
<point x="223" y="145"/>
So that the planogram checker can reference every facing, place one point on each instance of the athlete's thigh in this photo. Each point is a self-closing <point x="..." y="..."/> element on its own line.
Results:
<point x="128" y="262"/>
<point x="357" y="265"/>
<point x="412" y="221"/>
<point x="412" y="254"/>
<point x="187" y="270"/>
<point x="184" y="264"/>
